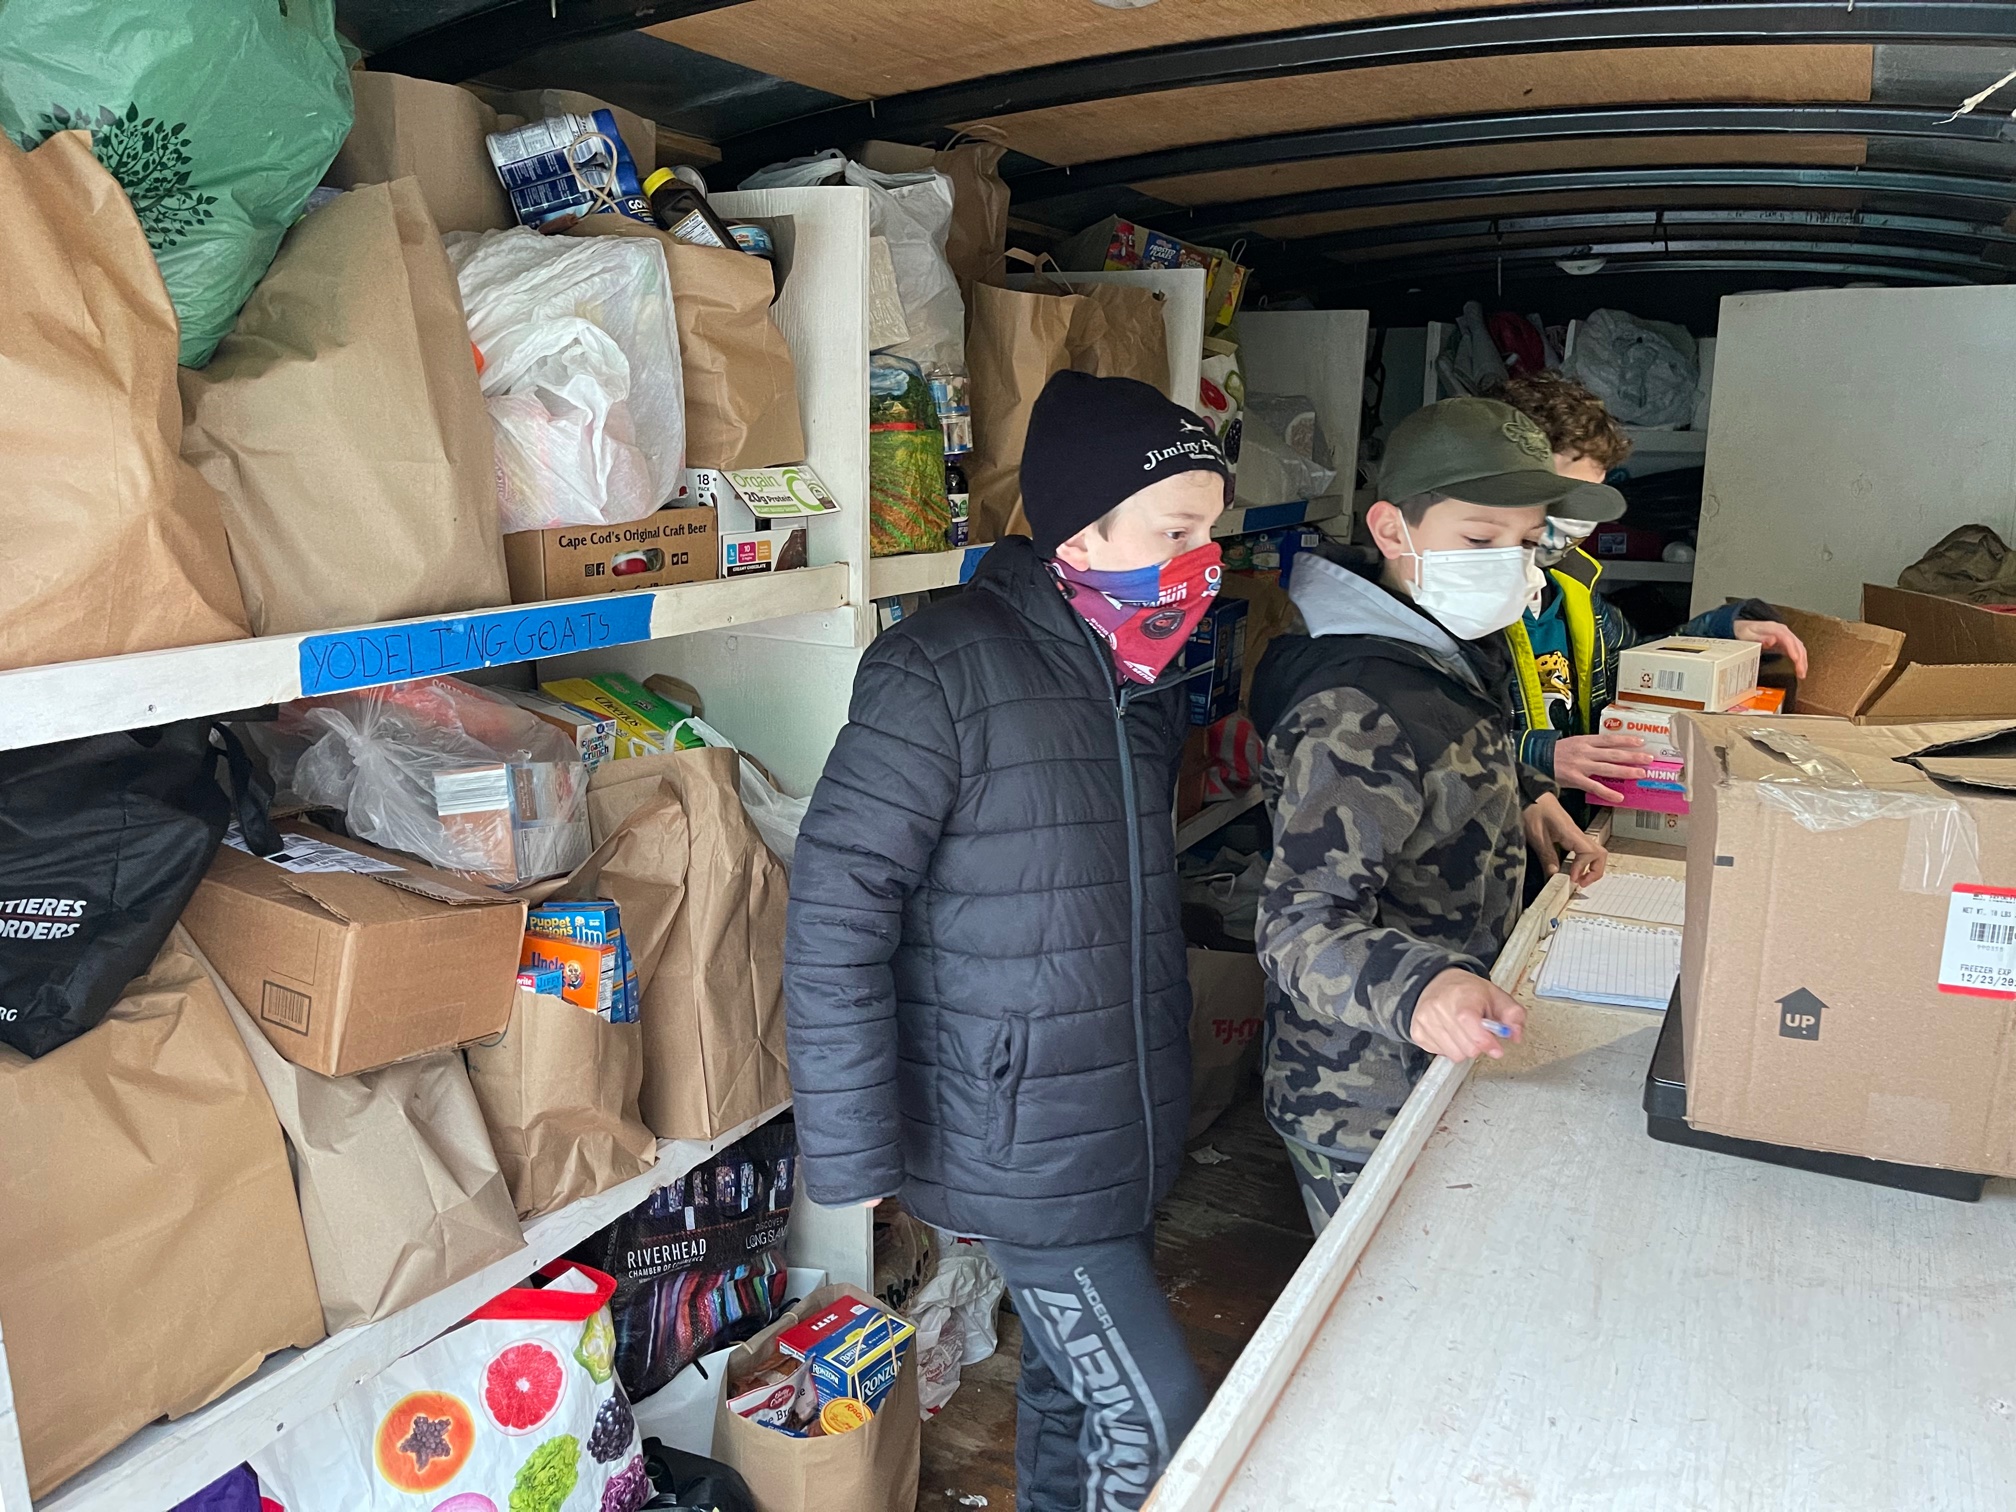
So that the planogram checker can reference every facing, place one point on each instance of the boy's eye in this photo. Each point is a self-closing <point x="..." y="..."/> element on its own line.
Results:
<point x="1481" y="545"/>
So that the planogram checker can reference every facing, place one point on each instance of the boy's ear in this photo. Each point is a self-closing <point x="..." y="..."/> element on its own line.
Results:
<point x="1072" y="554"/>
<point x="1383" y="522"/>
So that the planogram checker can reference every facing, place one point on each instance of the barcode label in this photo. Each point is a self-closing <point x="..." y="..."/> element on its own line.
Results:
<point x="284" y="1006"/>
<point x="1672" y="680"/>
<point x="300" y="854"/>
<point x="1979" y="957"/>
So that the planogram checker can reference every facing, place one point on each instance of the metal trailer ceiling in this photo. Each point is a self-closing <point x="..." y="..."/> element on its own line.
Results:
<point x="1354" y="148"/>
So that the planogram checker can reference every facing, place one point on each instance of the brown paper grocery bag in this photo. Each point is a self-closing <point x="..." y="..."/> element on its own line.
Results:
<point x="1015" y="340"/>
<point x="1228" y="1007"/>
<point x="1118" y="332"/>
<point x="741" y="384"/>
<point x="342" y="422"/>
<point x="713" y="1006"/>
<point x="433" y="134"/>
<point x="151" y="1253"/>
<point x="400" y="1193"/>
<point x="113" y="543"/>
<point x="558" y="1091"/>
<point x="871" y="1469"/>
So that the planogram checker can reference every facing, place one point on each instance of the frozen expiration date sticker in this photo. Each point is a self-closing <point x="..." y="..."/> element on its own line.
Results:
<point x="1979" y="957"/>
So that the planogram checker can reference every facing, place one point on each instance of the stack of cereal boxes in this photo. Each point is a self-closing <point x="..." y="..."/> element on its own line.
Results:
<point x="1654" y="682"/>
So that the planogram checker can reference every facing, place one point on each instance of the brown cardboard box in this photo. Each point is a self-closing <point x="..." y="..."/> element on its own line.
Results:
<point x="575" y="561"/>
<point x="1912" y="657"/>
<point x="1228" y="998"/>
<point x="347" y="971"/>
<point x="1849" y="985"/>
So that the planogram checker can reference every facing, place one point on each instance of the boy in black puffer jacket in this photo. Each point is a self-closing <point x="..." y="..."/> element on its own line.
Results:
<point x="985" y="974"/>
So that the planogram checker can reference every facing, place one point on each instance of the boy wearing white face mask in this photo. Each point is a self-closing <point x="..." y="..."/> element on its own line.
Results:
<point x="1402" y="813"/>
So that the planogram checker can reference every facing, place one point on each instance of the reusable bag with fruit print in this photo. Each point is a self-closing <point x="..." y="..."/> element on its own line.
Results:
<point x="516" y="1410"/>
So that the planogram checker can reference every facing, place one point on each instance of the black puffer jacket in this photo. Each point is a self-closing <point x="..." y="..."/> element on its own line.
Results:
<point x="985" y="974"/>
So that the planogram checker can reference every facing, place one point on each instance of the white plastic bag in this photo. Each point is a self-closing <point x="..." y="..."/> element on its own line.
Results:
<point x="800" y="173"/>
<point x="519" y="1407"/>
<point x="580" y="373"/>
<point x="1644" y="371"/>
<point x="463" y="779"/>
<point x="776" y="815"/>
<point x="955" y="1314"/>
<point x="913" y="213"/>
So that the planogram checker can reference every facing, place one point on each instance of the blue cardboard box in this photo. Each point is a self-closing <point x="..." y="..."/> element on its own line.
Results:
<point x="1219" y="645"/>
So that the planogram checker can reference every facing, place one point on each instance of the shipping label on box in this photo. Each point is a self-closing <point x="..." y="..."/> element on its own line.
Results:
<point x="575" y="561"/>
<point x="1686" y="672"/>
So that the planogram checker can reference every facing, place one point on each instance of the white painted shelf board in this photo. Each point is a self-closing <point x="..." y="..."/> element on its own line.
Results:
<point x="1259" y="517"/>
<point x="68" y="699"/>
<point x="1646" y="572"/>
<point x="920" y="572"/>
<point x="1692" y="442"/>
<point x="169" y="1461"/>
<point x="1213" y="817"/>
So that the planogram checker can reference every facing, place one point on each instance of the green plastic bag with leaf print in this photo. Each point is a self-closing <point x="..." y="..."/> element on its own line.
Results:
<point x="218" y="117"/>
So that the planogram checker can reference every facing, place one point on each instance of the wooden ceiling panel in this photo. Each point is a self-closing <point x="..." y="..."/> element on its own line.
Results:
<point x="1412" y="91"/>
<point x="1560" y="204"/>
<point x="866" y="49"/>
<point x="1505" y="157"/>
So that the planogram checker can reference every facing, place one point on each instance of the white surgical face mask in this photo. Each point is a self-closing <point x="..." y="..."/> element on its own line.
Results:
<point x="1558" y="537"/>
<point x="1473" y="593"/>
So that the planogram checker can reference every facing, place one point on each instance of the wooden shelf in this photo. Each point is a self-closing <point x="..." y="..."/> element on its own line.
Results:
<point x="1213" y="817"/>
<point x="69" y="699"/>
<point x="922" y="571"/>
<point x="169" y="1461"/>
<point x="1646" y="572"/>
<point x="1247" y="520"/>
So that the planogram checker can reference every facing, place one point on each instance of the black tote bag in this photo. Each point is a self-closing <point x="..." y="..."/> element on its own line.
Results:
<point x="102" y="843"/>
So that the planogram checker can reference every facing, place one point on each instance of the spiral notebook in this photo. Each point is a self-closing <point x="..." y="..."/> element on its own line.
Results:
<point x="1597" y="960"/>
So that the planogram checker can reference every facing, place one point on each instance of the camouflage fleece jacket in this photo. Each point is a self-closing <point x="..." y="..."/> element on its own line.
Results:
<point x="1397" y="791"/>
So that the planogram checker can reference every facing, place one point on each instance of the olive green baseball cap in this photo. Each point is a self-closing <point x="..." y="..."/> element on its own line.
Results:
<point x="1486" y="452"/>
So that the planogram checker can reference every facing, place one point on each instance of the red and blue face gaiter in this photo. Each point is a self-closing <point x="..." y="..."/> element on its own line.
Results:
<point x="1145" y="615"/>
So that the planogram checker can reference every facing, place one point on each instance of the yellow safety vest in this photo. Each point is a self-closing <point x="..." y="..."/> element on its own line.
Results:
<point x="1575" y="576"/>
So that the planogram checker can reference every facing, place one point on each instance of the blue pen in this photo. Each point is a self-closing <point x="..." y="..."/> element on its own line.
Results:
<point x="1503" y="1031"/>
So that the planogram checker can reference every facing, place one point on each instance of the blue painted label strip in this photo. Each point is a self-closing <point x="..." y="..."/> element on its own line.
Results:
<point x="464" y="642"/>
<point x="970" y="563"/>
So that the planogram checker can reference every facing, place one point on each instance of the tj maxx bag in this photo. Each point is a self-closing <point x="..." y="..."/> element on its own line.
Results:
<point x="151" y="1253"/>
<point x="114" y="544"/>
<point x="400" y="1195"/>
<point x="1015" y="340"/>
<point x="705" y="897"/>
<point x="342" y="422"/>
<point x="558" y="1091"/>
<point x="741" y="383"/>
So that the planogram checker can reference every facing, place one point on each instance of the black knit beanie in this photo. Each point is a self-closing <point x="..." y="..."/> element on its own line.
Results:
<point x="1094" y="442"/>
